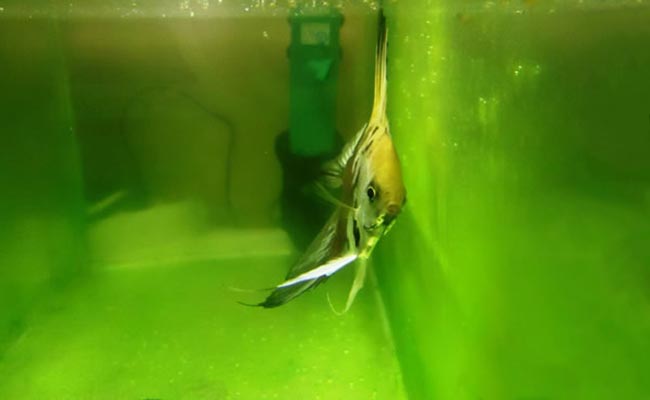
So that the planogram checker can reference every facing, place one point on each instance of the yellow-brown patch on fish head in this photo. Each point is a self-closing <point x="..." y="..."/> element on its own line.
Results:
<point x="381" y="190"/>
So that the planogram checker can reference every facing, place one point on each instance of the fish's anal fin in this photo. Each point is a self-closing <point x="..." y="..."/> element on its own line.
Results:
<point x="325" y="270"/>
<point x="294" y="287"/>
<point x="242" y="290"/>
<point x="357" y="284"/>
<point x="248" y="304"/>
<point x="283" y="295"/>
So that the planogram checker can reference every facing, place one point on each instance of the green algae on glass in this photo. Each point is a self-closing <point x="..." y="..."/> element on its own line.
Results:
<point x="518" y="269"/>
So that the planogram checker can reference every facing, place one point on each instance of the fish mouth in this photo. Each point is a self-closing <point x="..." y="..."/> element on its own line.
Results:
<point x="381" y="221"/>
<point x="371" y="227"/>
<point x="384" y="223"/>
<point x="374" y="226"/>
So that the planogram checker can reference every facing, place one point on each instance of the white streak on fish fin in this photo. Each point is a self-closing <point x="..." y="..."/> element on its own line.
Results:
<point x="326" y="269"/>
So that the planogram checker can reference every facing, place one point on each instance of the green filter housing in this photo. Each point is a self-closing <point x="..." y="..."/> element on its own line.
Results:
<point x="314" y="56"/>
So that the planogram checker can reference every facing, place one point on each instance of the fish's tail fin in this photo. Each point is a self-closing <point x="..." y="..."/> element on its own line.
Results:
<point x="379" y="104"/>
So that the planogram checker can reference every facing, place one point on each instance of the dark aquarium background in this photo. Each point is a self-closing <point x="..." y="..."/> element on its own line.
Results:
<point x="153" y="161"/>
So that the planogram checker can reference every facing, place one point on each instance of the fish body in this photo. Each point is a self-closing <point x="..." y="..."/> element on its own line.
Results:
<point x="372" y="194"/>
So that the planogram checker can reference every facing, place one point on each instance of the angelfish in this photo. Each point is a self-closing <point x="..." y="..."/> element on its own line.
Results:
<point x="368" y="174"/>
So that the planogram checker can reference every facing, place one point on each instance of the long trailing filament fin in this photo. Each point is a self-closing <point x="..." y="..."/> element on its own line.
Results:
<point x="379" y="103"/>
<point x="326" y="195"/>
<point x="357" y="284"/>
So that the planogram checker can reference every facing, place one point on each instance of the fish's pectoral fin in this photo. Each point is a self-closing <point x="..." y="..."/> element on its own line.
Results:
<point x="331" y="175"/>
<point x="325" y="194"/>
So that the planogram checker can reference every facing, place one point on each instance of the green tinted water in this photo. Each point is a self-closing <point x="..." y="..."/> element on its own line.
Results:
<point x="41" y="202"/>
<point x="174" y="331"/>
<point x="519" y="269"/>
<point x="139" y="194"/>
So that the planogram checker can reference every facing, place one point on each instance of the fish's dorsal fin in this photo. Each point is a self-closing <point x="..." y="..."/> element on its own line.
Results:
<point x="333" y="169"/>
<point x="379" y="103"/>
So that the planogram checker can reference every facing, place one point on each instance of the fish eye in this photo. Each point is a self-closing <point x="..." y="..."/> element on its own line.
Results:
<point x="371" y="192"/>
